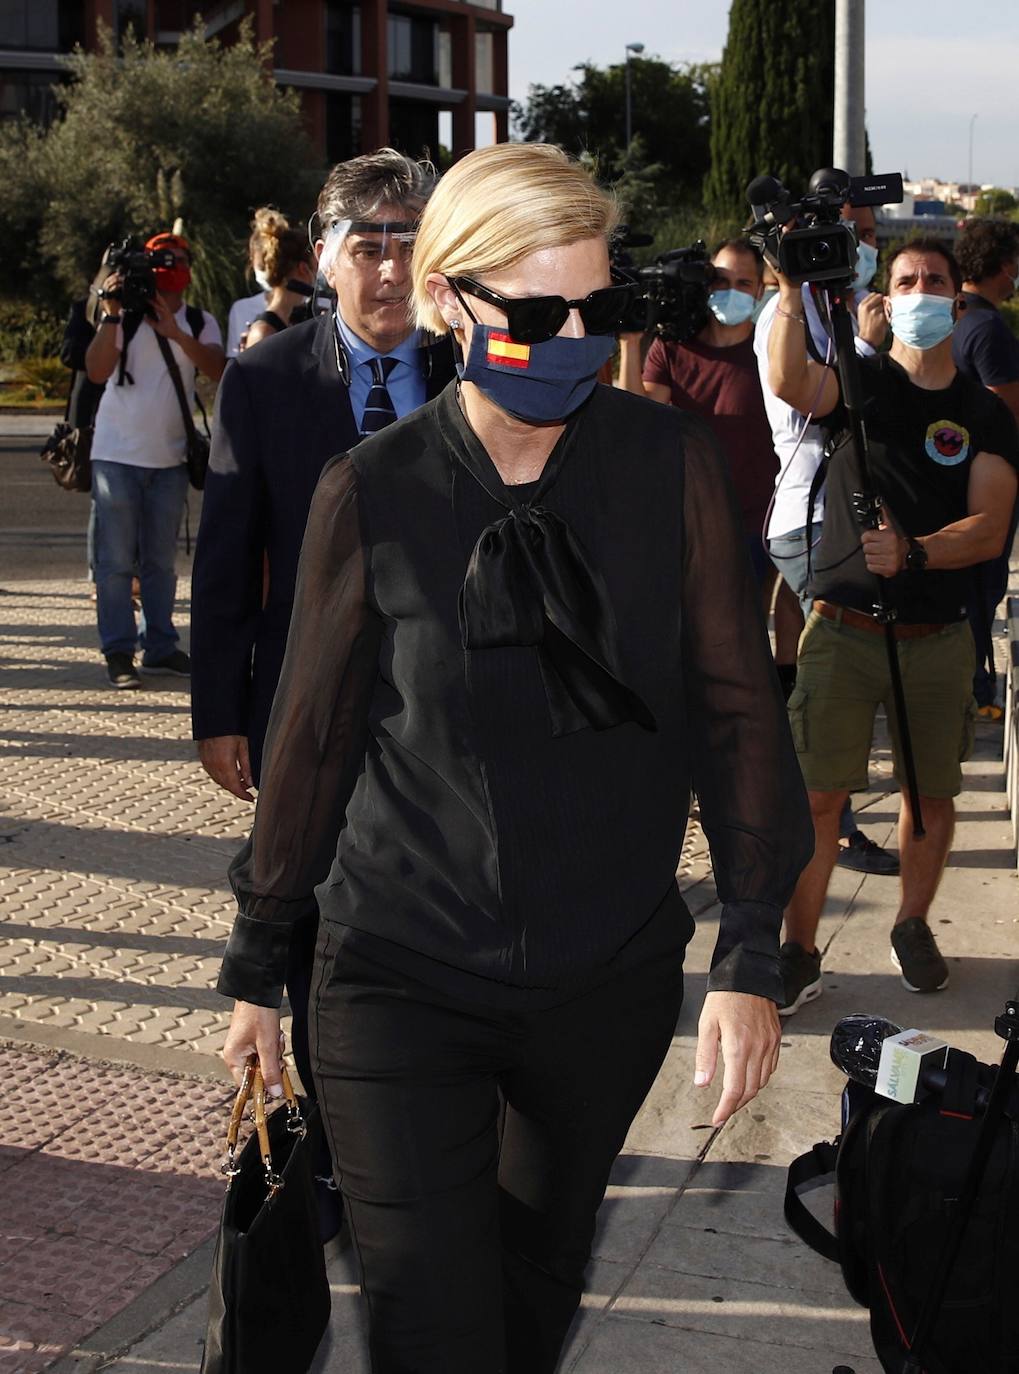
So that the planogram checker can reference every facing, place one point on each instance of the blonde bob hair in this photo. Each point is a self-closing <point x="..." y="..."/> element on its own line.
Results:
<point x="498" y="205"/>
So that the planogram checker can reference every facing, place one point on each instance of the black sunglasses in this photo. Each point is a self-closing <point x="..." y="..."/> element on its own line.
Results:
<point x="534" y="319"/>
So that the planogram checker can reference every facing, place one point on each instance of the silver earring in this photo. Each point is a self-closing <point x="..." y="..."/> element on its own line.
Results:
<point x="456" y="324"/>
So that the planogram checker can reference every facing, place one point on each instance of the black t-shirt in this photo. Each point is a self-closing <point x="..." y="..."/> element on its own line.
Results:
<point x="922" y="445"/>
<point x="983" y="346"/>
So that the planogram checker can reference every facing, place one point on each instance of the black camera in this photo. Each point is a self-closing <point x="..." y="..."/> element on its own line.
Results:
<point x="672" y="292"/>
<point x="821" y="247"/>
<point x="137" y="268"/>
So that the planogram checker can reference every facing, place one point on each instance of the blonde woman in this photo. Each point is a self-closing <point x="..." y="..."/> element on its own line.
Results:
<point x="524" y="626"/>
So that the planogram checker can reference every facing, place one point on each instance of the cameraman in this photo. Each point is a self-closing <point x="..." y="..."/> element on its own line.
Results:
<point x="714" y="375"/>
<point x="799" y="446"/>
<point x="139" y="473"/>
<point x="943" y="454"/>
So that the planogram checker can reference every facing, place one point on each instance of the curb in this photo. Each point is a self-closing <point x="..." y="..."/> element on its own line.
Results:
<point x="150" y="1311"/>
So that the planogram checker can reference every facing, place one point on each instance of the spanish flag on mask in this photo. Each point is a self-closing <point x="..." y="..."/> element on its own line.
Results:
<point x="504" y="349"/>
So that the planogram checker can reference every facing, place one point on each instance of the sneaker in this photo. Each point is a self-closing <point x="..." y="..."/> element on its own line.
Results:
<point x="801" y="977"/>
<point x="121" y="671"/>
<point x="176" y="664"/>
<point x="916" y="955"/>
<point x="864" y="856"/>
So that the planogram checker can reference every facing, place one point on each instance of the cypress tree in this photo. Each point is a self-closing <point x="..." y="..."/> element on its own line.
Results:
<point x="771" y="106"/>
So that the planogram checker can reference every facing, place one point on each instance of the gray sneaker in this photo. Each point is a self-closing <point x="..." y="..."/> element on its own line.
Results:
<point x="801" y="977"/>
<point x="916" y="955"/>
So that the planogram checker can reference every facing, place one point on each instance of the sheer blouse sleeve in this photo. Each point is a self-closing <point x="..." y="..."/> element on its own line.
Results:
<point x="314" y="745"/>
<point x="745" y="772"/>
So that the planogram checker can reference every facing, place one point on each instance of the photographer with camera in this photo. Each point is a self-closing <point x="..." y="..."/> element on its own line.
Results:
<point x="799" y="445"/>
<point x="714" y="374"/>
<point x="943" y="455"/>
<point x="139" y="472"/>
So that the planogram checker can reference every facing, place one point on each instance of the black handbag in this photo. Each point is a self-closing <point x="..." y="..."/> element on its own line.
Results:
<point x="68" y="451"/>
<point x="269" y="1295"/>
<point x="198" y="444"/>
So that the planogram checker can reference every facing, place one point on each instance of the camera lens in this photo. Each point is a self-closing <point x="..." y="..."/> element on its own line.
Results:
<point x="820" y="252"/>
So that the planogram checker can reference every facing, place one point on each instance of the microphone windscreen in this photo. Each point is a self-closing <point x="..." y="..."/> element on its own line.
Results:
<point x="856" y="1045"/>
<point x="763" y="190"/>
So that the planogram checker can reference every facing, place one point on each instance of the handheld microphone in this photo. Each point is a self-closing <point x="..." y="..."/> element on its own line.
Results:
<point x="856" y="1044"/>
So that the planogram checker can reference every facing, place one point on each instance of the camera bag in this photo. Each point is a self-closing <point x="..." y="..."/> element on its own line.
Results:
<point x="68" y="450"/>
<point x="197" y="444"/>
<point x="901" y="1173"/>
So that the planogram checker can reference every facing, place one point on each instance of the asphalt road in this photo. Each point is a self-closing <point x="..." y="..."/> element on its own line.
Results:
<point x="42" y="527"/>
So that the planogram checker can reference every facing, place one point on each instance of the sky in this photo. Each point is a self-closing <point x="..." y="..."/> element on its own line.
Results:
<point x="927" y="72"/>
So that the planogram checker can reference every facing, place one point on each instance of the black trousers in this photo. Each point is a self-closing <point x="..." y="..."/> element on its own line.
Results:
<point x="473" y="1146"/>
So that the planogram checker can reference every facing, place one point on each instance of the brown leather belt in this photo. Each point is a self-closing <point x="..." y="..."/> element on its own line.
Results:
<point x="859" y="620"/>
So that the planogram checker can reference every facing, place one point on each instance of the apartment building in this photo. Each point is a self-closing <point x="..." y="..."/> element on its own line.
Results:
<point x="368" y="72"/>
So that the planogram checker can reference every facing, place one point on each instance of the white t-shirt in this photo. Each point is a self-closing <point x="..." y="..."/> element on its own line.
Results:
<point x="242" y="313"/>
<point x="142" y="425"/>
<point x="795" y="473"/>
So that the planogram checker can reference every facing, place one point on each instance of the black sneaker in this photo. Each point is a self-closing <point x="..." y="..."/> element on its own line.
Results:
<point x="916" y="955"/>
<point x="801" y="977"/>
<point x="176" y="664"/>
<point x="864" y="856"/>
<point x="121" y="671"/>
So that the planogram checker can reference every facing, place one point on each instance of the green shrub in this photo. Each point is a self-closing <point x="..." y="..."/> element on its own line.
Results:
<point x="28" y="330"/>
<point x="48" y="377"/>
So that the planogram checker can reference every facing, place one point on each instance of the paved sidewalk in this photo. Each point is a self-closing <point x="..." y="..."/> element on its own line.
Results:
<point x="115" y="911"/>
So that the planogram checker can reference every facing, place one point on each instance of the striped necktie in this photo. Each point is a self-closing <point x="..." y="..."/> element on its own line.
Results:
<point x="379" y="410"/>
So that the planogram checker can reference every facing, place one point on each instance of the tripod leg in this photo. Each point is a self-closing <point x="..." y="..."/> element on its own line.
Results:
<point x="902" y="720"/>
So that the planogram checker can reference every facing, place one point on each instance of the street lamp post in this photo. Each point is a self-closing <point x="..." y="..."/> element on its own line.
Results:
<point x="972" y="121"/>
<point x="636" y="49"/>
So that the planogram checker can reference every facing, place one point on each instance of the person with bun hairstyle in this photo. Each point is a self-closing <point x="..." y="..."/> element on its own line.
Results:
<point x="525" y="626"/>
<point x="287" y="272"/>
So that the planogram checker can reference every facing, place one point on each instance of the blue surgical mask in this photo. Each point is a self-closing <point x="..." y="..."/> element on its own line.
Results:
<point x="866" y="265"/>
<point x="759" y="305"/>
<point x="538" y="383"/>
<point x="731" y="307"/>
<point x="922" y="321"/>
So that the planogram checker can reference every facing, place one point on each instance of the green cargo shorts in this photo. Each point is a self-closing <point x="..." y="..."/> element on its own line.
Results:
<point x="841" y="677"/>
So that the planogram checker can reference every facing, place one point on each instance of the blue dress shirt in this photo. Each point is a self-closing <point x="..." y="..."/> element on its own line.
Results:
<point x="407" y="385"/>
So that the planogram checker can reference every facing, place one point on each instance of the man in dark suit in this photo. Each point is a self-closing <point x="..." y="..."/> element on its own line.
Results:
<point x="285" y="407"/>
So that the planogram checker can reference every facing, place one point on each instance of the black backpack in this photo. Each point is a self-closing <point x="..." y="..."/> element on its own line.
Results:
<point x="905" y="1194"/>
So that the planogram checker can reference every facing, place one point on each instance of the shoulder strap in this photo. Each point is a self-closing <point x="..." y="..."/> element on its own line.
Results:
<point x="178" y="385"/>
<point x="815" y="1165"/>
<point x="132" y="323"/>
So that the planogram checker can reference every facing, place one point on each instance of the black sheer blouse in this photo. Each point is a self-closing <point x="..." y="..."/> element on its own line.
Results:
<point x="495" y="702"/>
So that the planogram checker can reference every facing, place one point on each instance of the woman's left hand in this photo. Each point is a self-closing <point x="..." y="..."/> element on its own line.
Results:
<point x="749" y="1032"/>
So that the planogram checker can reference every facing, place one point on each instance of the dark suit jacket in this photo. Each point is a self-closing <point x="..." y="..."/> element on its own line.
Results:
<point x="282" y="412"/>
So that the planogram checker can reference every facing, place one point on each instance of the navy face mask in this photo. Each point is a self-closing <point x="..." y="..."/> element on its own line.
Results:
<point x="538" y="383"/>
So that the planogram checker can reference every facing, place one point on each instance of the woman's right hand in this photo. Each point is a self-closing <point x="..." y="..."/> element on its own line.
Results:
<point x="255" y="1030"/>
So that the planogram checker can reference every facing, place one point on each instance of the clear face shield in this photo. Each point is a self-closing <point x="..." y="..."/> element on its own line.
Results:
<point x="366" y="244"/>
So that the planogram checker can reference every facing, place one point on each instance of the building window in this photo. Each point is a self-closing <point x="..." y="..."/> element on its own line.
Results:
<point x="343" y="38"/>
<point x="343" y="126"/>
<point x="413" y="49"/>
<point x="46" y="25"/>
<point x="414" y="127"/>
<point x="484" y="61"/>
<point x="27" y="93"/>
<point x="132" y="14"/>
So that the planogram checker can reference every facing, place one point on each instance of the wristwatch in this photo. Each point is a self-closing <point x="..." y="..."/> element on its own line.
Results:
<point x="916" y="555"/>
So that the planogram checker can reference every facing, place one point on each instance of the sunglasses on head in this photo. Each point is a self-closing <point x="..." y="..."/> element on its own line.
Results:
<point x="535" y="319"/>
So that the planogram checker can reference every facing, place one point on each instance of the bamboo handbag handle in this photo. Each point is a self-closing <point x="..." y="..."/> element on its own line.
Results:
<point x="252" y="1089"/>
